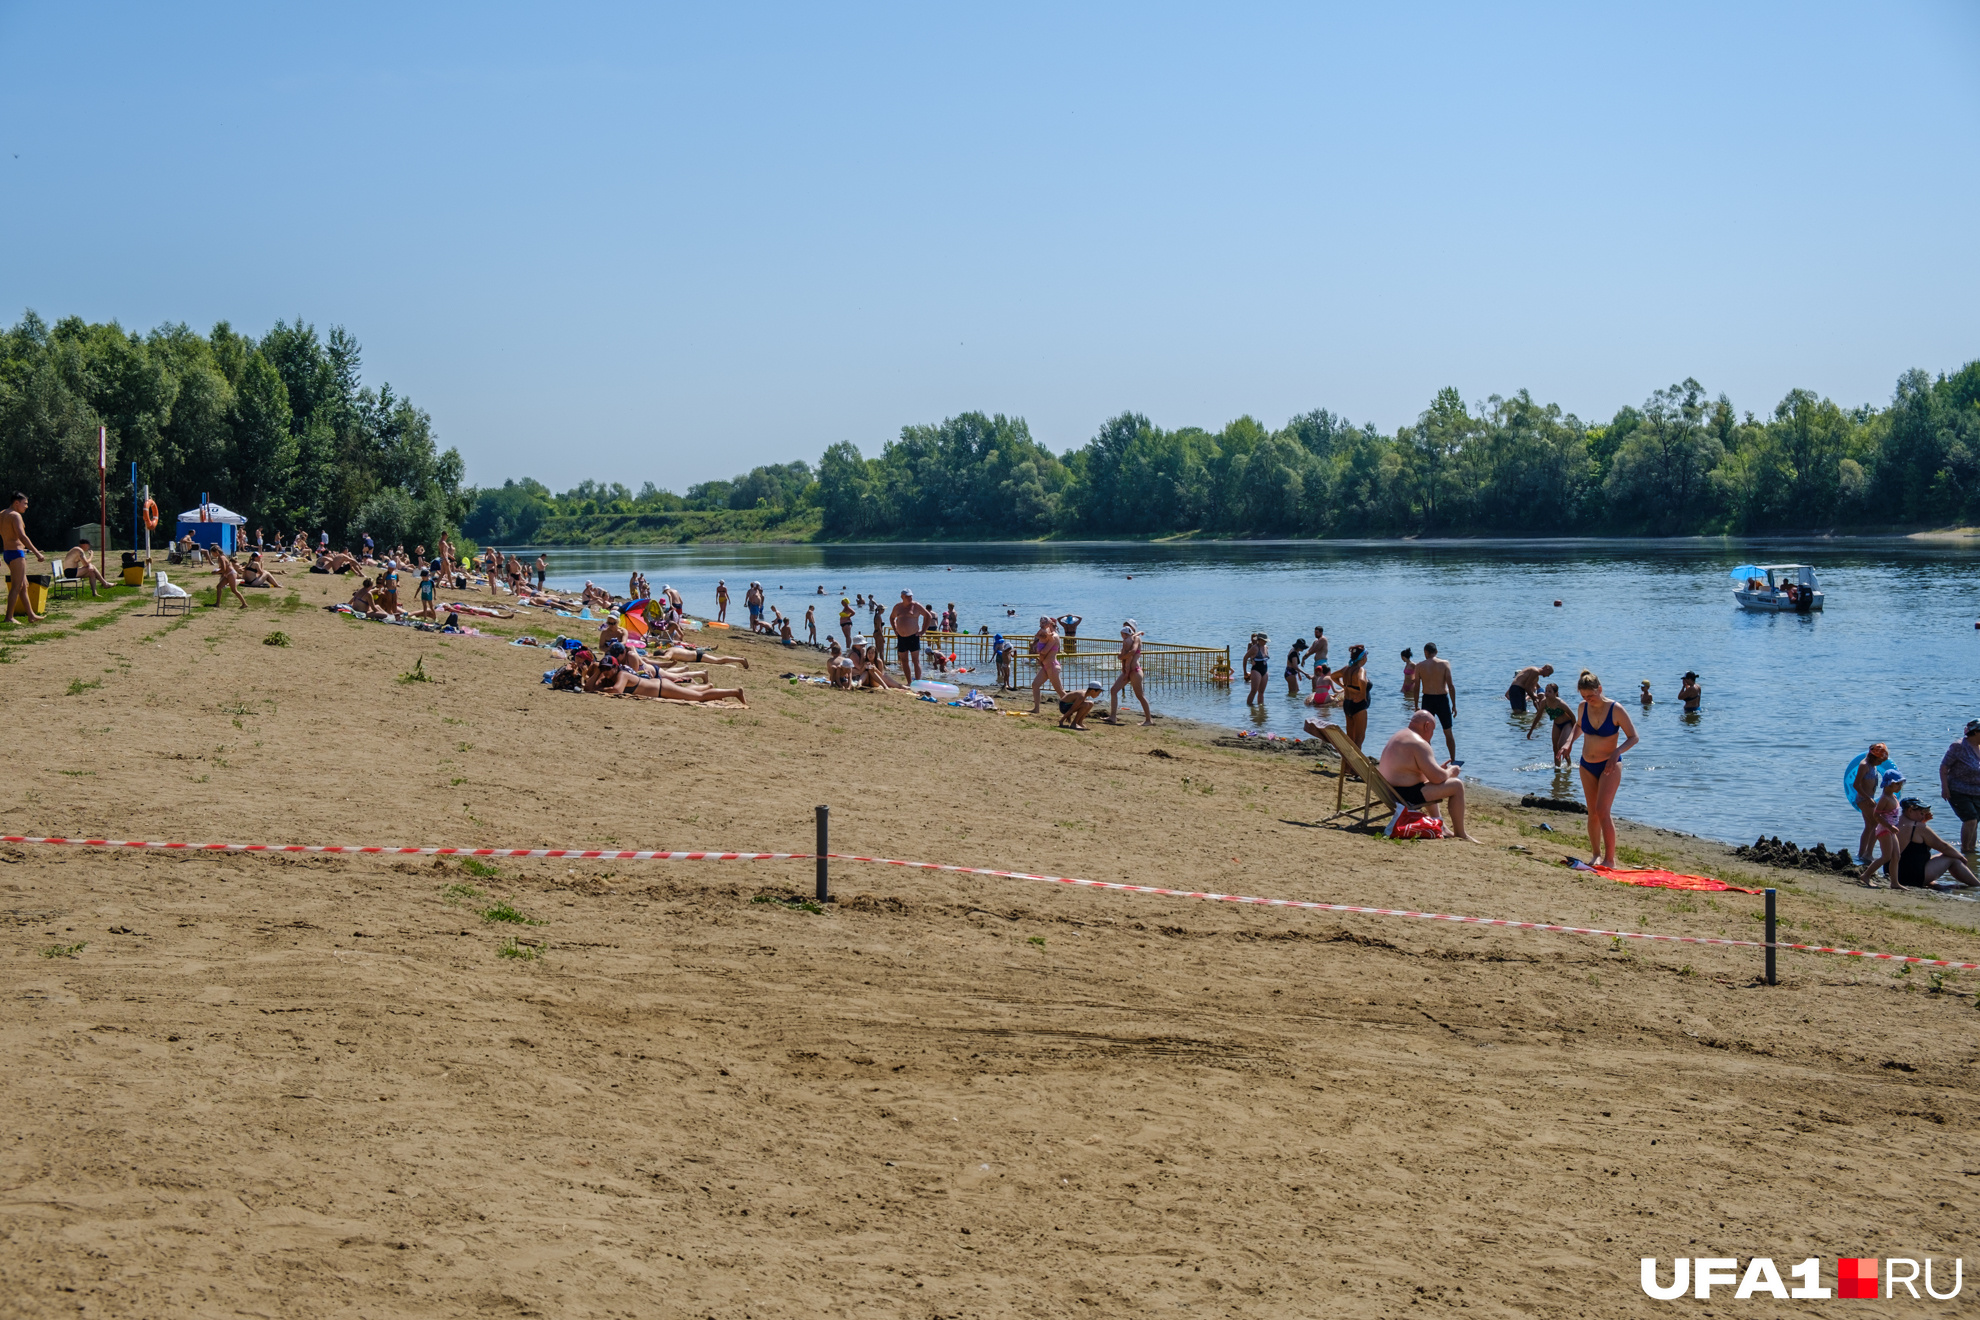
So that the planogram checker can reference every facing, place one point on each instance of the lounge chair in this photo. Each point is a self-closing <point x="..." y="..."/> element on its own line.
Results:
<point x="1377" y="795"/>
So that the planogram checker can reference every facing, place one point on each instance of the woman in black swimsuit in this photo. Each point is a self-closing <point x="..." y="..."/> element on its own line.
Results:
<point x="1257" y="669"/>
<point x="1354" y="694"/>
<point x="1601" y="763"/>
<point x="1917" y="867"/>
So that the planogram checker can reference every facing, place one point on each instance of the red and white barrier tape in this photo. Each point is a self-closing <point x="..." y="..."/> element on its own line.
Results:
<point x="1303" y="905"/>
<point x="594" y="854"/>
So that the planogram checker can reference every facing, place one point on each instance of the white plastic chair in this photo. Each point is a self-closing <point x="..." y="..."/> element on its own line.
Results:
<point x="171" y="599"/>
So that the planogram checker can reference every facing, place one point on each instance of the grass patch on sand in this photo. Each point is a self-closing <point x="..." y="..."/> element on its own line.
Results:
<point x="480" y="870"/>
<point x="77" y="687"/>
<point x="276" y="638"/>
<point x="457" y="894"/>
<point x="502" y="910"/>
<point x="521" y="950"/>
<point x="417" y="674"/>
<point x="65" y="950"/>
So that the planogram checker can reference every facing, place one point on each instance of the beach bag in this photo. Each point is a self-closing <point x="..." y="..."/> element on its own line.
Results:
<point x="1413" y="824"/>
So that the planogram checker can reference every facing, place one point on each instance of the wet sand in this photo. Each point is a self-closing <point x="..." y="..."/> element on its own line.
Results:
<point x="312" y="1086"/>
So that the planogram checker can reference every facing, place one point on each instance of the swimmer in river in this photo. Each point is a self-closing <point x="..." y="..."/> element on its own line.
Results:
<point x="1691" y="694"/>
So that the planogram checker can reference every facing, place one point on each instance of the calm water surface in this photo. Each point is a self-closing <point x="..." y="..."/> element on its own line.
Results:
<point x="1788" y="700"/>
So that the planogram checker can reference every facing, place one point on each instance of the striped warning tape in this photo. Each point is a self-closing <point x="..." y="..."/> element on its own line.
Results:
<point x="1298" y="904"/>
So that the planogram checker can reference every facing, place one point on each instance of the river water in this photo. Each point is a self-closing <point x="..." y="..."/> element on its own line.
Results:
<point x="1788" y="699"/>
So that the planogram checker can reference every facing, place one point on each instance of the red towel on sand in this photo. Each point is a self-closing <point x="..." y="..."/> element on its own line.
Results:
<point x="1659" y="879"/>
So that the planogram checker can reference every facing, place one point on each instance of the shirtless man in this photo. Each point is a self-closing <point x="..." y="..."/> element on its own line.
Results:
<point x="230" y="580"/>
<point x="1439" y="691"/>
<point x="1130" y="676"/>
<point x="1412" y="770"/>
<point x="18" y="546"/>
<point x="76" y="564"/>
<point x="1354" y="694"/>
<point x="908" y="619"/>
<point x="1526" y="686"/>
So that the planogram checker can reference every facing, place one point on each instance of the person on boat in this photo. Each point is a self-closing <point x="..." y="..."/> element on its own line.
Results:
<point x="1354" y="694"/>
<point x="1863" y="794"/>
<point x="1691" y="694"/>
<point x="1917" y="844"/>
<point x="1601" y="763"/>
<point x="1412" y="769"/>
<point x="1890" y="814"/>
<point x="1565" y="731"/>
<point x="1526" y="687"/>
<point x="1294" y="670"/>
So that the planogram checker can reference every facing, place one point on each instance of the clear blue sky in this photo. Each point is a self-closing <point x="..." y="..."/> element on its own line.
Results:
<point x="669" y="243"/>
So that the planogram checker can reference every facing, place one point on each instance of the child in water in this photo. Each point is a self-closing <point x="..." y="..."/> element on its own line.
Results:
<point x="1412" y="687"/>
<point x="1323" y="687"/>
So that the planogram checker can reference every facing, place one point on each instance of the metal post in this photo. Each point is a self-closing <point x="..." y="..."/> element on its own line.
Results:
<point x="825" y="846"/>
<point x="1770" y="936"/>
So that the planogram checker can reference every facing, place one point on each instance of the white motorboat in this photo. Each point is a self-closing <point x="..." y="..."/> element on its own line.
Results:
<point x="1777" y="589"/>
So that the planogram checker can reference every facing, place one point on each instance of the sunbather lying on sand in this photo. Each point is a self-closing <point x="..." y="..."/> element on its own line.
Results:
<point x="696" y="655"/>
<point x="625" y="683"/>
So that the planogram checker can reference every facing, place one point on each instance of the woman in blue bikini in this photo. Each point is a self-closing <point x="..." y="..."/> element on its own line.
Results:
<point x="1601" y="763"/>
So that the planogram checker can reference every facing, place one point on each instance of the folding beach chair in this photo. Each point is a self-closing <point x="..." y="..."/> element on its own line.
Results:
<point x="1376" y="794"/>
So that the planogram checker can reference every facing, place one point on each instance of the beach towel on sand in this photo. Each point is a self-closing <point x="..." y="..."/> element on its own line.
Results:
<point x="1658" y="879"/>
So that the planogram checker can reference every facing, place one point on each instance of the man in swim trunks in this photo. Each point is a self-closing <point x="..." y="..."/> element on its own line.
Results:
<point x="908" y="619"/>
<point x="1130" y="676"/>
<point x="1691" y="694"/>
<point x="1439" y="691"/>
<point x="1526" y="686"/>
<point x="753" y="602"/>
<point x="1413" y="771"/>
<point x="1069" y="626"/>
<point x="1959" y="784"/>
<point x="1073" y="710"/>
<point x="18" y="546"/>
<point x="76" y="563"/>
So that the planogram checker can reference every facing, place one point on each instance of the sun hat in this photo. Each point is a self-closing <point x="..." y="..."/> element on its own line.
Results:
<point x="1893" y="777"/>
<point x="1972" y="727"/>
<point x="1913" y="804"/>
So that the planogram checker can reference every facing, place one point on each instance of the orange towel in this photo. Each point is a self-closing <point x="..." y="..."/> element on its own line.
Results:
<point x="1659" y="879"/>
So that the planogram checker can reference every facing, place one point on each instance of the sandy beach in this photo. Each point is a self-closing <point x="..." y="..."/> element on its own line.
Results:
<point x="314" y="1086"/>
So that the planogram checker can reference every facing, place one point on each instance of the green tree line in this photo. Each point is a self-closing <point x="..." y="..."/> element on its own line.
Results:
<point x="279" y="429"/>
<point x="1681" y="463"/>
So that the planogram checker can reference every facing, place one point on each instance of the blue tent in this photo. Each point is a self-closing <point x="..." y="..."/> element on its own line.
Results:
<point x="210" y="524"/>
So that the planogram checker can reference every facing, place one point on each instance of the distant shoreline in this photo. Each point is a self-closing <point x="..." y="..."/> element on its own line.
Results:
<point x="1952" y="535"/>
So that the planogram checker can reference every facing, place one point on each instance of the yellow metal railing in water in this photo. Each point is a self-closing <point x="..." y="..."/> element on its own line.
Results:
<point x="1084" y="658"/>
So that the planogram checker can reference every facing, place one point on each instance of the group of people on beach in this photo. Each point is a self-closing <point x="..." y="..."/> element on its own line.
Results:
<point x="1898" y="828"/>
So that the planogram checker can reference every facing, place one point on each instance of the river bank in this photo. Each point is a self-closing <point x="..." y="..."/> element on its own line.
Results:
<point x="566" y="1086"/>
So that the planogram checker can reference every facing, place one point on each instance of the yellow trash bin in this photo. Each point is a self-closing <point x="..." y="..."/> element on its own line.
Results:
<point x="37" y="592"/>
<point x="134" y="575"/>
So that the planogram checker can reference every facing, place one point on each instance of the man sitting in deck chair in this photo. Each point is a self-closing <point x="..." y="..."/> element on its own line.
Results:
<point x="77" y="568"/>
<point x="1419" y="779"/>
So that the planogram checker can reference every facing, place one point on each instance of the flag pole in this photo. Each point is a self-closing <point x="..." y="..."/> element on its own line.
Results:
<point x="103" y="501"/>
